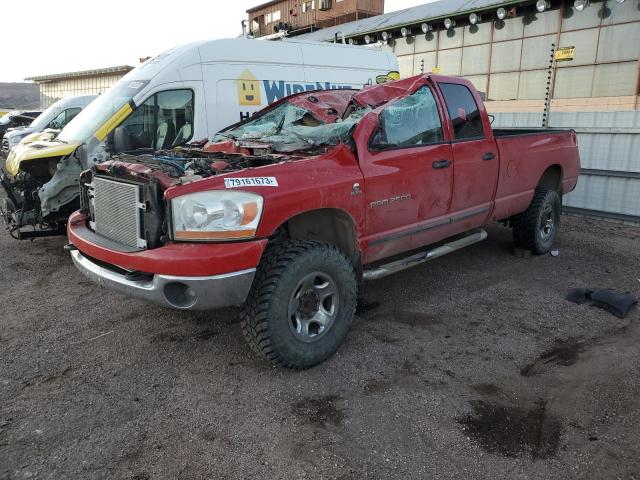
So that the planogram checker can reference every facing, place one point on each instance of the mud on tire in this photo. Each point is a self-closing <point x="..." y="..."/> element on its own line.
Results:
<point x="301" y="303"/>
<point x="536" y="228"/>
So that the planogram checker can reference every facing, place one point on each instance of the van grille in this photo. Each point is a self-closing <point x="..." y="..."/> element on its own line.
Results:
<point x="116" y="211"/>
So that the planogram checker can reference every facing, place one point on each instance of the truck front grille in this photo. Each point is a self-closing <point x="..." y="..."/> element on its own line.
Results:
<point x="117" y="211"/>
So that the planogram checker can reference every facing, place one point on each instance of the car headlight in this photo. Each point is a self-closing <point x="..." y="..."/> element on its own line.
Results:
<point x="216" y="215"/>
<point x="14" y="140"/>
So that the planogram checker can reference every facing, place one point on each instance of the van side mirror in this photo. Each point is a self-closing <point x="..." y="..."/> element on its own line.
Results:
<point x="121" y="141"/>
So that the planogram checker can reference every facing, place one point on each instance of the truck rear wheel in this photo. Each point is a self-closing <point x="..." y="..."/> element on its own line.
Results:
<point x="301" y="303"/>
<point x="536" y="228"/>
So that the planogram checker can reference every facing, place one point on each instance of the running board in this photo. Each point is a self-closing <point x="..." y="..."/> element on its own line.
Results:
<point x="404" y="263"/>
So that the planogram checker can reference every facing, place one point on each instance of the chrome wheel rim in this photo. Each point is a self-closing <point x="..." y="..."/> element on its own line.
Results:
<point x="313" y="307"/>
<point x="547" y="222"/>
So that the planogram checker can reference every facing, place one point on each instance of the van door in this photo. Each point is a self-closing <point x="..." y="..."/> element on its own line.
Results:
<point x="408" y="177"/>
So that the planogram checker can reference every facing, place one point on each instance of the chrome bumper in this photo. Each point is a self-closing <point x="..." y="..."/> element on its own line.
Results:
<point x="182" y="293"/>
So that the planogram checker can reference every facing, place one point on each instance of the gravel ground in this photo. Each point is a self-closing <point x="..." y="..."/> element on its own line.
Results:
<point x="472" y="366"/>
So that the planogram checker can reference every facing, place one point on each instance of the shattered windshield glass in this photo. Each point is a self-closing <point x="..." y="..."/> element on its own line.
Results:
<point x="290" y="127"/>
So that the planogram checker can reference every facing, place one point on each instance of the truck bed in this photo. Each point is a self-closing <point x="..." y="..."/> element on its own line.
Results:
<point x="525" y="154"/>
<point x="515" y="131"/>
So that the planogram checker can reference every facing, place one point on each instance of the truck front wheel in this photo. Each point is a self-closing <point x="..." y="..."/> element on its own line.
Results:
<point x="301" y="303"/>
<point x="536" y="228"/>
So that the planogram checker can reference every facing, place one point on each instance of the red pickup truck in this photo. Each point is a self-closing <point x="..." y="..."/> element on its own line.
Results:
<point x="287" y="213"/>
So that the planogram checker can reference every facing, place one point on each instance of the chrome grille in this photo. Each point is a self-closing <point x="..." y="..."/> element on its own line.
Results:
<point x="116" y="211"/>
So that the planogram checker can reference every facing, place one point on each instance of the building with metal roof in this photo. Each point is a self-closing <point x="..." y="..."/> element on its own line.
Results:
<point x="86" y="82"/>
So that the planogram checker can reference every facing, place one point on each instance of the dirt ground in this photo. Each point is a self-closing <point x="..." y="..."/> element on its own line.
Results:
<point x="471" y="366"/>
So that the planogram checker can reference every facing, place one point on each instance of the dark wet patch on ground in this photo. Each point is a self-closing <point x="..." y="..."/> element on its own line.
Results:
<point x="364" y="307"/>
<point x="486" y="388"/>
<point x="513" y="431"/>
<point x="565" y="353"/>
<point x="319" y="410"/>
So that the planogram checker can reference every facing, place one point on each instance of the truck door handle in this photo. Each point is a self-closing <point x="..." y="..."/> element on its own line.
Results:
<point x="489" y="156"/>
<point x="441" y="164"/>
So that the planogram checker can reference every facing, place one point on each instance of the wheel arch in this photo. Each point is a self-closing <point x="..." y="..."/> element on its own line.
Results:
<point x="552" y="178"/>
<point x="329" y="225"/>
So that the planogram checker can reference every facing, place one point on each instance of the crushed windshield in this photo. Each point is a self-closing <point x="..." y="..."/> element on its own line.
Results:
<point x="289" y="127"/>
<point x="94" y="116"/>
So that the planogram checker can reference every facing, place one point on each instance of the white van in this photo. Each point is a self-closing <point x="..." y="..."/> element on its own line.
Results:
<point x="187" y="93"/>
<point x="54" y="117"/>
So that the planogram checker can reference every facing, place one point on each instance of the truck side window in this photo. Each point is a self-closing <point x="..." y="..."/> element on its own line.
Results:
<point x="164" y="120"/>
<point x="411" y="121"/>
<point x="463" y="111"/>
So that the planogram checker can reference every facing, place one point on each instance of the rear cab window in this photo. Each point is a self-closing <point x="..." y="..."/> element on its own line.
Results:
<point x="463" y="111"/>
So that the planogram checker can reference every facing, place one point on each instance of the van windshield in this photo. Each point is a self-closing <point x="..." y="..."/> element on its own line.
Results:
<point x="94" y="116"/>
<point x="42" y="120"/>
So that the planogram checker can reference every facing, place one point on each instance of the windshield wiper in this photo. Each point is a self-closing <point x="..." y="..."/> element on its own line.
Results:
<point x="227" y="135"/>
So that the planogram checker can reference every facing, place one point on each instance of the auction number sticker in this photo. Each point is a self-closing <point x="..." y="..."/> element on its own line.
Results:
<point x="250" y="182"/>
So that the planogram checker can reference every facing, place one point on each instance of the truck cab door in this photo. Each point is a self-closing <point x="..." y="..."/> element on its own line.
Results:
<point x="408" y="176"/>
<point x="475" y="156"/>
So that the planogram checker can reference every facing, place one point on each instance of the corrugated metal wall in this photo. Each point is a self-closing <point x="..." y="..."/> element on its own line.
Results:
<point x="609" y="143"/>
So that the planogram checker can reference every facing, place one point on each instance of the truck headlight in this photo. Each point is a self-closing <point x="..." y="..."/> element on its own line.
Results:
<point x="216" y="215"/>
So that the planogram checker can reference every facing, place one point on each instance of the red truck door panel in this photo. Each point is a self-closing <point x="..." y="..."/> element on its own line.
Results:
<point x="408" y="176"/>
<point x="475" y="156"/>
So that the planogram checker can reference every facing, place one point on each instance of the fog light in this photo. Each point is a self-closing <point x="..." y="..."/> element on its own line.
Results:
<point x="501" y="13"/>
<point x="179" y="295"/>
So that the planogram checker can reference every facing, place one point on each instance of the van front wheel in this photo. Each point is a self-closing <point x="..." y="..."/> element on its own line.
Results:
<point x="301" y="303"/>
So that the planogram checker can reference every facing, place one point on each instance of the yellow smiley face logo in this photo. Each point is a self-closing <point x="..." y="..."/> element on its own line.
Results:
<point x="248" y="89"/>
<point x="389" y="77"/>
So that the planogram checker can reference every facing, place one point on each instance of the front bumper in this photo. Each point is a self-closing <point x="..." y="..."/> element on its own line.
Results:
<point x="182" y="293"/>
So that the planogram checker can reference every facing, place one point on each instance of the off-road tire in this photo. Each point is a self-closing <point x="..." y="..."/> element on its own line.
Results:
<point x="528" y="226"/>
<point x="265" y="318"/>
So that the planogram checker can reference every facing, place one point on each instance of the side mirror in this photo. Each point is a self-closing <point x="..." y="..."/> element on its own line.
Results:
<point x="121" y="140"/>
